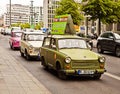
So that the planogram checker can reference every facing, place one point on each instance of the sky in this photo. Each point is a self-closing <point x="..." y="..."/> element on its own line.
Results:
<point x="23" y="2"/>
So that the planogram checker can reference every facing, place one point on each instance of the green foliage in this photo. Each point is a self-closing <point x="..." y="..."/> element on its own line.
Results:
<point x="105" y="10"/>
<point x="70" y="7"/>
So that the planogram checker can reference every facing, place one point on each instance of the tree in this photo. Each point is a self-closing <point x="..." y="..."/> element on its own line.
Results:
<point x="25" y="25"/>
<point x="106" y="11"/>
<point x="70" y="7"/>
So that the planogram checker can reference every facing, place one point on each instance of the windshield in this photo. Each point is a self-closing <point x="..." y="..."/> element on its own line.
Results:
<point x="71" y="43"/>
<point x="117" y="36"/>
<point x="36" y="37"/>
<point x="17" y="34"/>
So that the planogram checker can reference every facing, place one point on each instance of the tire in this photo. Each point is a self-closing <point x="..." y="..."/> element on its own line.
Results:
<point x="12" y="47"/>
<point x="97" y="77"/>
<point x="60" y="73"/>
<point x="22" y="54"/>
<point x="99" y="49"/>
<point x="27" y="55"/>
<point x="117" y="51"/>
<point x="43" y="63"/>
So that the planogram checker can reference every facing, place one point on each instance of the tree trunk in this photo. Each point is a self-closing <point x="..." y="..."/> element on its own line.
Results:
<point x="99" y="26"/>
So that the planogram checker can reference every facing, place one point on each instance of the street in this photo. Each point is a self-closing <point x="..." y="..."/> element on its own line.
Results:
<point x="108" y="84"/>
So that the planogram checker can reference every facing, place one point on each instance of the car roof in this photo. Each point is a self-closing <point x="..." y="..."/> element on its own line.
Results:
<point x="64" y="36"/>
<point x="33" y="32"/>
<point x="17" y="31"/>
<point x="109" y="32"/>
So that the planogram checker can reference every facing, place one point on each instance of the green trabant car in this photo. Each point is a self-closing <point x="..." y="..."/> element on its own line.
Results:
<point x="30" y="44"/>
<point x="71" y="55"/>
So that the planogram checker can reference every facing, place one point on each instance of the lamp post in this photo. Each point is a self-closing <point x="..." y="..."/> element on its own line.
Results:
<point x="10" y="14"/>
<point x="31" y="13"/>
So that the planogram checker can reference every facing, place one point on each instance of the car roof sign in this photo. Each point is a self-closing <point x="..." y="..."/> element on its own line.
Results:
<point x="63" y="24"/>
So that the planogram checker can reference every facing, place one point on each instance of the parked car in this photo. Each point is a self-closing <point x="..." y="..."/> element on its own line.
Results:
<point x="30" y="44"/>
<point x="7" y="31"/>
<point x="14" y="40"/>
<point x="70" y="55"/>
<point x="109" y="41"/>
<point x="87" y="38"/>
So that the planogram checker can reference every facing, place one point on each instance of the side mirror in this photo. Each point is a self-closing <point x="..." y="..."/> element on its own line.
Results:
<point x="89" y="46"/>
<point x="111" y="37"/>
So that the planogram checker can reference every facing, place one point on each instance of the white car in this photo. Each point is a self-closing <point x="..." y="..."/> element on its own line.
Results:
<point x="30" y="44"/>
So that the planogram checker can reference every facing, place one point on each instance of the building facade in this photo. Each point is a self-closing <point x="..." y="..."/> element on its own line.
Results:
<point x="1" y="20"/>
<point x="49" y="7"/>
<point x="21" y="14"/>
<point x="38" y="14"/>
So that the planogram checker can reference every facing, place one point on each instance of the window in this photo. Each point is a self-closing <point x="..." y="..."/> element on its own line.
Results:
<point x="71" y="43"/>
<point x="53" y="44"/>
<point x="46" y="42"/>
<point x="104" y="35"/>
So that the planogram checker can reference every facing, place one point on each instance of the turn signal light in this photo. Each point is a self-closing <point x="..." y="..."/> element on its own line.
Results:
<point x="67" y="67"/>
<point x="101" y="66"/>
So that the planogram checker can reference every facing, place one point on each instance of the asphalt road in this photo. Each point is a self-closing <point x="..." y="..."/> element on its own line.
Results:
<point x="108" y="84"/>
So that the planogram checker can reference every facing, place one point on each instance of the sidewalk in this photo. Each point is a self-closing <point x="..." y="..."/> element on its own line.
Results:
<point x="15" y="79"/>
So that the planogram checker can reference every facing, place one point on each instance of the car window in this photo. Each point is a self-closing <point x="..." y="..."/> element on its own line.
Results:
<point x="36" y="37"/>
<point x="17" y="34"/>
<point x="71" y="43"/>
<point x="117" y="36"/>
<point x="53" y="44"/>
<point x="107" y="35"/>
<point x="104" y="35"/>
<point x="46" y="42"/>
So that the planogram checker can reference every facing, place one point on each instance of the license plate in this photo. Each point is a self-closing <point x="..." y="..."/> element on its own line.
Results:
<point x="85" y="72"/>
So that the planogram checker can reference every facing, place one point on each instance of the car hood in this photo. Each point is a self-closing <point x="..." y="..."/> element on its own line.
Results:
<point x="35" y="43"/>
<point x="77" y="54"/>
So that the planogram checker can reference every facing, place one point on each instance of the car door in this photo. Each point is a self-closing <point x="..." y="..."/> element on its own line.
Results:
<point x="45" y="49"/>
<point x="111" y="42"/>
<point x="22" y="43"/>
<point x="51" y="55"/>
<point x="103" y="41"/>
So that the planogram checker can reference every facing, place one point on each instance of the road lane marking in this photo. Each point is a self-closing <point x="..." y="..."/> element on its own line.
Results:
<point x="113" y="76"/>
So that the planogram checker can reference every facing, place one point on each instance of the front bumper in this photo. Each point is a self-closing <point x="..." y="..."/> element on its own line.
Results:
<point x="85" y="72"/>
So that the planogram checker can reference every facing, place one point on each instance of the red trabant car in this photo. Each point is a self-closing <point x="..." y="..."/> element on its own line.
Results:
<point x="14" y="40"/>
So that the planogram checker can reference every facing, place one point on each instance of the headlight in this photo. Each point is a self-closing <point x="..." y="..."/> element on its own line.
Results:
<point x="102" y="59"/>
<point x="68" y="60"/>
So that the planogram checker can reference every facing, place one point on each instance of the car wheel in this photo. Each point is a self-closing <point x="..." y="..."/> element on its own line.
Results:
<point x="99" y="49"/>
<point x="97" y="77"/>
<point x="10" y="46"/>
<point x="27" y="55"/>
<point x="43" y="63"/>
<point x="13" y="47"/>
<point x="117" y="52"/>
<point x="22" y="54"/>
<point x="60" y="73"/>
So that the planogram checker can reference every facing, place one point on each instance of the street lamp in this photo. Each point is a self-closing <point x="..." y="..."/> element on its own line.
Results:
<point x="10" y="13"/>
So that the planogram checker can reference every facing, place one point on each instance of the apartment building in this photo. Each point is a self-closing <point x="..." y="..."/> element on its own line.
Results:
<point x="21" y="14"/>
<point x="38" y="14"/>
